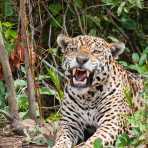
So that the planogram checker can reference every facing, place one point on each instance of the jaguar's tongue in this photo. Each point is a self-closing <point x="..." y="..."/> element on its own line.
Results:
<point x="80" y="75"/>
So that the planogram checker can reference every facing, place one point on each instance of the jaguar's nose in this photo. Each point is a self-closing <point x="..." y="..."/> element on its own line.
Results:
<point x="81" y="59"/>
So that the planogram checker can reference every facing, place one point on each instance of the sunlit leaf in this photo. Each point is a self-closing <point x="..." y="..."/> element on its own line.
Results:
<point x="45" y="91"/>
<point x="113" y="39"/>
<point x="120" y="8"/>
<point x="135" y="57"/>
<point x="20" y="83"/>
<point x="54" y="117"/>
<point x="10" y="34"/>
<point x="143" y="59"/>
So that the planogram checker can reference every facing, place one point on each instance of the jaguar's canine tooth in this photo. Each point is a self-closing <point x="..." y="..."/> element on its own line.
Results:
<point x="74" y="71"/>
<point x="87" y="73"/>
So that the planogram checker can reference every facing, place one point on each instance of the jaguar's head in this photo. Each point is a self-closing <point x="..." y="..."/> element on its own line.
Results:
<point x="87" y="59"/>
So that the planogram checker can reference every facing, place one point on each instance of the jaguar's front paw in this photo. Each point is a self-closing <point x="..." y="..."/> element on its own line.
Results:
<point x="63" y="144"/>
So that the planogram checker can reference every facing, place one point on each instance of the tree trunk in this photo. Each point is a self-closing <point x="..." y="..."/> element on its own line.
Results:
<point x="4" y="60"/>
<point x="26" y="45"/>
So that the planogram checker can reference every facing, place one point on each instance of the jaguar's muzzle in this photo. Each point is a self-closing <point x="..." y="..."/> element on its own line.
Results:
<point x="81" y="77"/>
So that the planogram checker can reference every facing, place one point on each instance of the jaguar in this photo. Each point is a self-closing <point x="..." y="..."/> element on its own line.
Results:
<point x="94" y="92"/>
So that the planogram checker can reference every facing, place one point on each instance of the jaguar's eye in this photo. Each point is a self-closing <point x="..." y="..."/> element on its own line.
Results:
<point x="96" y="52"/>
<point x="73" y="49"/>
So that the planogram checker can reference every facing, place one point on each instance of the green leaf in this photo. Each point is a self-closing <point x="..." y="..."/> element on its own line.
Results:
<point x="56" y="81"/>
<point x="120" y="8"/>
<point x="128" y="23"/>
<point x="8" y="24"/>
<point x="8" y="9"/>
<point x="20" y="83"/>
<point x="122" y="141"/>
<point x="78" y="3"/>
<point x="113" y="39"/>
<point x="45" y="91"/>
<point x="97" y="143"/>
<point x="9" y="47"/>
<point x="111" y="2"/>
<point x="143" y="59"/>
<point x="42" y="77"/>
<point x="135" y="57"/>
<point x="10" y="34"/>
<point x="141" y="69"/>
<point x="145" y="50"/>
<point x="55" y="8"/>
<point x="39" y="140"/>
<point x="128" y="96"/>
<point x="54" y="117"/>
<point x="53" y="51"/>
<point x="124" y="63"/>
<point x="92" y="32"/>
<point x="137" y="3"/>
<point x="22" y="101"/>
<point x="136" y="131"/>
<point x="50" y="143"/>
<point x="94" y="19"/>
<point x="56" y="22"/>
<point x="54" y="77"/>
<point x="2" y="95"/>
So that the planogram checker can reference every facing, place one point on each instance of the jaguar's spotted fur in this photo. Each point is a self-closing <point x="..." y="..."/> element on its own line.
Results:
<point x="94" y="93"/>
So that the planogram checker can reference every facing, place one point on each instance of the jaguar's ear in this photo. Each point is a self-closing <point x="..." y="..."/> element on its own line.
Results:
<point x="117" y="48"/>
<point x="63" y="41"/>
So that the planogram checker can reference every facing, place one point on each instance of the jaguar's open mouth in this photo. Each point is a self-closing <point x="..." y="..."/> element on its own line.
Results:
<point x="81" y="77"/>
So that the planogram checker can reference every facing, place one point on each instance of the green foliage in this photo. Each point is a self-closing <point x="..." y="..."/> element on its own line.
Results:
<point x="22" y="99"/>
<point x="23" y="103"/>
<point x="55" y="79"/>
<point x="135" y="57"/>
<point x="139" y="62"/>
<point x="97" y="143"/>
<point x="128" y="23"/>
<point x="122" y="141"/>
<point x="8" y="8"/>
<point x="139" y="122"/>
<point x="78" y="3"/>
<point x="9" y="34"/>
<point x="54" y="117"/>
<point x="56" y="18"/>
<point x="55" y="8"/>
<point x="45" y="91"/>
<point x="128" y="97"/>
<point x="2" y="95"/>
<point x="140" y="127"/>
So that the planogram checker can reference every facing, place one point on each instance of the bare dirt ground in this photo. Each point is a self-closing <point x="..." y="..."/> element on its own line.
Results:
<point x="15" y="141"/>
<point x="8" y="139"/>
